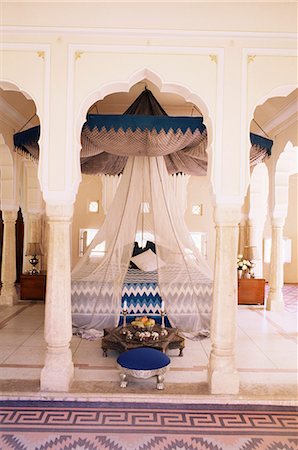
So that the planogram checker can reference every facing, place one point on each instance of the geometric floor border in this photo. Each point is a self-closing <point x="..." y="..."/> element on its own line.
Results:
<point x="55" y="425"/>
<point x="42" y="441"/>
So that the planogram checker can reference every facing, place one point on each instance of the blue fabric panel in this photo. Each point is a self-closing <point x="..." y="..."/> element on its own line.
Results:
<point x="134" y="122"/>
<point x="143" y="358"/>
<point x="261" y="141"/>
<point x="149" y="245"/>
<point x="29" y="136"/>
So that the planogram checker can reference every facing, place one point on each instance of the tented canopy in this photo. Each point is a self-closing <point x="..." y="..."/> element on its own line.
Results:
<point x="144" y="129"/>
<point x="184" y="278"/>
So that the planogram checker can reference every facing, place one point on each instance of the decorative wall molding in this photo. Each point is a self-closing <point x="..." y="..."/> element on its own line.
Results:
<point x="147" y="32"/>
<point x="73" y="139"/>
<point x="147" y="49"/>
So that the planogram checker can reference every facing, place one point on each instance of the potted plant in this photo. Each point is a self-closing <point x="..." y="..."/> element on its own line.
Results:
<point x="244" y="267"/>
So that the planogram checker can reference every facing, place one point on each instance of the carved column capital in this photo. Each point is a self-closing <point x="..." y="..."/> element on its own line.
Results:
<point x="227" y="215"/>
<point x="278" y="222"/>
<point x="9" y="216"/>
<point x="59" y="213"/>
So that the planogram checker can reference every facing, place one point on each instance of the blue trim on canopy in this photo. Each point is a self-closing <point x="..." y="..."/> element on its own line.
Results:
<point x="261" y="141"/>
<point x="30" y="136"/>
<point x="134" y="122"/>
<point x="116" y="122"/>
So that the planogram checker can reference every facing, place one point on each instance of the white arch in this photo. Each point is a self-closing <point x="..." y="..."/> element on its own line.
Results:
<point x="125" y="86"/>
<point x="287" y="165"/>
<point x="7" y="181"/>
<point x="279" y="91"/>
<point x="259" y="191"/>
<point x="10" y="86"/>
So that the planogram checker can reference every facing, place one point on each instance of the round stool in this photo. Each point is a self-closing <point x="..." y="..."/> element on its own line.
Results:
<point x="143" y="362"/>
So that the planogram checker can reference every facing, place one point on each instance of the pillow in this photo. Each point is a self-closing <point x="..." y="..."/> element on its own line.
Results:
<point x="137" y="250"/>
<point x="148" y="261"/>
<point x="133" y="266"/>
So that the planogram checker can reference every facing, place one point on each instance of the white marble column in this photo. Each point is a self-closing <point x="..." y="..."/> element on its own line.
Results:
<point x="276" y="276"/>
<point x="8" y="272"/>
<point x="242" y="234"/>
<point x="222" y="372"/>
<point x="57" y="373"/>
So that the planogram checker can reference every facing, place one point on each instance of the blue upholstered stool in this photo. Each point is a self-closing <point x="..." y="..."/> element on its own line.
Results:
<point x="143" y="362"/>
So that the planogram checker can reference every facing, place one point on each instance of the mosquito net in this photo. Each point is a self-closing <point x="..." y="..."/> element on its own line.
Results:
<point x="183" y="276"/>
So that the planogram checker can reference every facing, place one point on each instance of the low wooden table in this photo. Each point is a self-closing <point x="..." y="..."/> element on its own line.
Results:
<point x="33" y="287"/>
<point x="251" y="291"/>
<point x="116" y="339"/>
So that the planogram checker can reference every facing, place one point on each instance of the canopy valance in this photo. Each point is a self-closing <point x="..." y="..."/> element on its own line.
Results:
<point x="144" y="129"/>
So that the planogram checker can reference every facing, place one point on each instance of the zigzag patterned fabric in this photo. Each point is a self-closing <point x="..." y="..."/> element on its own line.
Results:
<point x="142" y="295"/>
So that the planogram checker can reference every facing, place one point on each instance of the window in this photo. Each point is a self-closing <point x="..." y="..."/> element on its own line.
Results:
<point x="200" y="240"/>
<point x="197" y="210"/>
<point x="93" y="206"/>
<point x="86" y="237"/>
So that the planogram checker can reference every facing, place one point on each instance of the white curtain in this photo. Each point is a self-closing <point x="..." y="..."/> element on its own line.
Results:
<point x="109" y="188"/>
<point x="179" y="184"/>
<point x="184" y="278"/>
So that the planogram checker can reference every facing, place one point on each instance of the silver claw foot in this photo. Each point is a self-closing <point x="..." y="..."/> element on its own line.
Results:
<point x="159" y="384"/>
<point x="123" y="382"/>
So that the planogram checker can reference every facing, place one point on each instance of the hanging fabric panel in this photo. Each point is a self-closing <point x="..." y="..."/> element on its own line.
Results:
<point x="181" y="140"/>
<point x="260" y="149"/>
<point x="184" y="279"/>
<point x="144" y="129"/>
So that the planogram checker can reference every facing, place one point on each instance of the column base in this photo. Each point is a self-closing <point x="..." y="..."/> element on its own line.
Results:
<point x="58" y="371"/>
<point x="8" y="296"/>
<point x="223" y="383"/>
<point x="275" y="301"/>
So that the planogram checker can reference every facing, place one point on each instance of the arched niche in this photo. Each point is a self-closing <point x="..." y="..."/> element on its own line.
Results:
<point x="125" y="86"/>
<point x="7" y="178"/>
<point x="259" y="191"/>
<point x="287" y="165"/>
<point x="23" y="114"/>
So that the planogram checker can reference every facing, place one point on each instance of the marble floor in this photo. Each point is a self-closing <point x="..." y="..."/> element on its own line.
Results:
<point x="266" y="360"/>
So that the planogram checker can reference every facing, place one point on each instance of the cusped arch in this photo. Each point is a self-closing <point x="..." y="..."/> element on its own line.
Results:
<point x="8" y="85"/>
<point x="7" y="191"/>
<point x="287" y="165"/>
<point x="125" y="86"/>
<point x="279" y="91"/>
<point x="259" y="191"/>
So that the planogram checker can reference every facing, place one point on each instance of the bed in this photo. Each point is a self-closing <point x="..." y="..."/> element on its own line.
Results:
<point x="140" y="291"/>
<point x="142" y="295"/>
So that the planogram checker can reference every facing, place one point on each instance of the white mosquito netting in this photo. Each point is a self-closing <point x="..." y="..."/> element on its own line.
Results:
<point x="184" y="278"/>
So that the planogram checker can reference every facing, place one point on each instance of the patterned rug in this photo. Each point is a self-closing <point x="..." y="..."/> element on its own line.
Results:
<point x="44" y="425"/>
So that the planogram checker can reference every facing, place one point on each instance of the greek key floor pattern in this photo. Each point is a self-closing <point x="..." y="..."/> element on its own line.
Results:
<point x="45" y="425"/>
